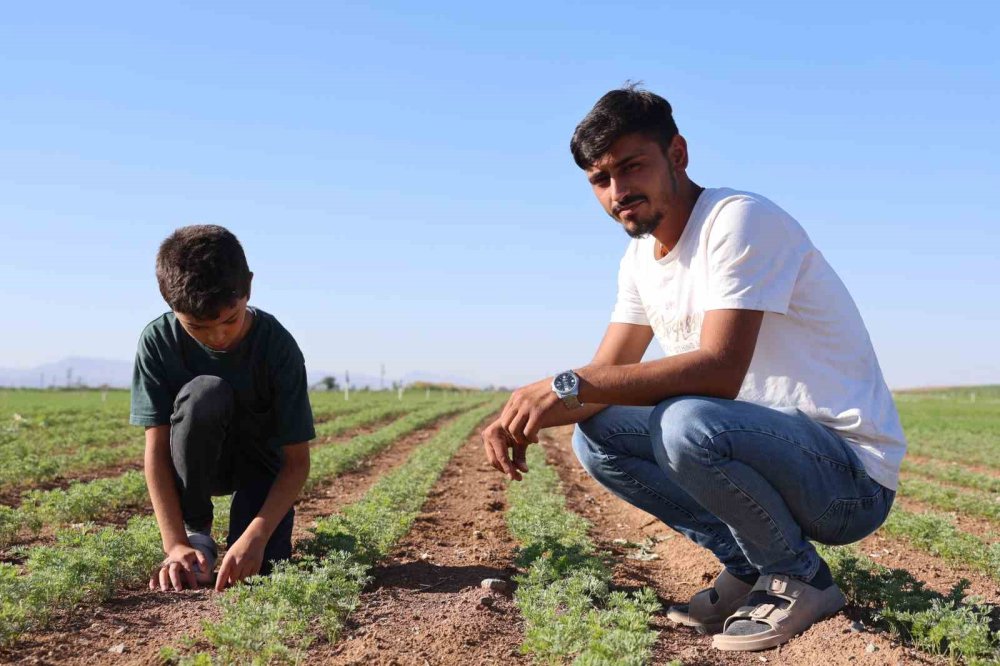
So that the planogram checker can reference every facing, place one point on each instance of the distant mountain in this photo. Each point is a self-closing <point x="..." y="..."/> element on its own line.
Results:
<point x="71" y="372"/>
<point x="77" y="371"/>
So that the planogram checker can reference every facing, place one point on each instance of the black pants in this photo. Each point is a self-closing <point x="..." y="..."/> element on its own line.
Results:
<point x="212" y="457"/>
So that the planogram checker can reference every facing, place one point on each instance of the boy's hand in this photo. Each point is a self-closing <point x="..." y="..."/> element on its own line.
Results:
<point x="243" y="560"/>
<point x="178" y="570"/>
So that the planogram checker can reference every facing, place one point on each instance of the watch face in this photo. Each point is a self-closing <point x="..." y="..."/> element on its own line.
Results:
<point x="565" y="382"/>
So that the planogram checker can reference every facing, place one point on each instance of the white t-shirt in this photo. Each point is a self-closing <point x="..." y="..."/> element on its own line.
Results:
<point x="741" y="251"/>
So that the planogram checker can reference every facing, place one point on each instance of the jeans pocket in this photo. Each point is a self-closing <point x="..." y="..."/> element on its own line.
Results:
<point x="847" y="520"/>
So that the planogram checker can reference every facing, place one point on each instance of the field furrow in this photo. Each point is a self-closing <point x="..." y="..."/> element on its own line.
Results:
<point x="308" y="598"/>
<point x="27" y="601"/>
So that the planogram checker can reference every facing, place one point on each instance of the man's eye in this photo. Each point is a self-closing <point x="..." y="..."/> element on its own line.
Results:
<point x="632" y="167"/>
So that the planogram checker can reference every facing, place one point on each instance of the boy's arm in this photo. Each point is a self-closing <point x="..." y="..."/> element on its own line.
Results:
<point x="177" y="570"/>
<point x="246" y="556"/>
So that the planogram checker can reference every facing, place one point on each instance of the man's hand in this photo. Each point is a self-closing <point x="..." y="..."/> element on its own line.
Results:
<point x="497" y="443"/>
<point x="243" y="560"/>
<point x="178" y="570"/>
<point x="525" y="411"/>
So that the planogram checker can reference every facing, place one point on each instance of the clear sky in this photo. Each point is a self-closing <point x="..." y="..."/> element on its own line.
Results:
<point x="399" y="172"/>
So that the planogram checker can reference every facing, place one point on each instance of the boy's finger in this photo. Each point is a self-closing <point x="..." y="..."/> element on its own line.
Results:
<point x="202" y="562"/>
<point x="175" y="576"/>
<point x="164" y="578"/>
<point x="220" y="582"/>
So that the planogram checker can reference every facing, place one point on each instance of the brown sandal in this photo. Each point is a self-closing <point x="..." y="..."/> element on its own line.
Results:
<point x="707" y="616"/>
<point x="767" y="625"/>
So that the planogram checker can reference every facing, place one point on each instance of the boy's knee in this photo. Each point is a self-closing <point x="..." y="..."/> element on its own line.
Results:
<point x="205" y="399"/>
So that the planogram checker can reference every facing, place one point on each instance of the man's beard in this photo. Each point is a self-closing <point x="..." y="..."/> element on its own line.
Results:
<point x="639" y="227"/>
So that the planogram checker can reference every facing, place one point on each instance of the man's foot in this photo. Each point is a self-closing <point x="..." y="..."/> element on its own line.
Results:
<point x="779" y="607"/>
<point x="205" y="544"/>
<point x="707" y="611"/>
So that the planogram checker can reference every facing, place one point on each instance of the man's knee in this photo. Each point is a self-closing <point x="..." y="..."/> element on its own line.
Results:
<point x="588" y="449"/>
<point x="682" y="426"/>
<point x="205" y="400"/>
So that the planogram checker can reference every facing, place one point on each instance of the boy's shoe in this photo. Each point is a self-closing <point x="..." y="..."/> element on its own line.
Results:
<point x="205" y="544"/>
<point x="769" y="624"/>
<point x="707" y="611"/>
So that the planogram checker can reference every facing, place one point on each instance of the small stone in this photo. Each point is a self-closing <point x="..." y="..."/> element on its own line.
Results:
<point x="424" y="557"/>
<point x="496" y="585"/>
<point x="857" y="627"/>
<point x="119" y="631"/>
<point x="620" y="542"/>
<point x="870" y="648"/>
<point x="763" y="659"/>
<point x="478" y="534"/>
<point x="117" y="649"/>
<point x="486" y="602"/>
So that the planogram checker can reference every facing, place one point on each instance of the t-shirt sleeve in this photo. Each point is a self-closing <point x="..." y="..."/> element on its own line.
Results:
<point x="628" y="307"/>
<point x="754" y="257"/>
<point x="293" y="413"/>
<point x="152" y="402"/>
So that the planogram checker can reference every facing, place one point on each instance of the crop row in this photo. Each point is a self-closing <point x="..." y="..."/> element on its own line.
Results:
<point x="937" y="535"/>
<point x="565" y="594"/>
<point x="93" y="500"/>
<point x="87" y="566"/>
<point x="954" y="474"/>
<point x="893" y="599"/>
<point x="278" y="616"/>
<point x="969" y="502"/>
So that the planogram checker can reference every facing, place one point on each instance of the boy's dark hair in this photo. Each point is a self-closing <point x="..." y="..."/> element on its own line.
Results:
<point x="201" y="269"/>
<point x="620" y="112"/>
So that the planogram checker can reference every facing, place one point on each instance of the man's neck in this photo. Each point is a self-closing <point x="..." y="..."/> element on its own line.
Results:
<point x="668" y="233"/>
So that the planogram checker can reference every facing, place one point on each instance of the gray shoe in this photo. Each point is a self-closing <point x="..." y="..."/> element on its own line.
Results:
<point x="708" y="609"/>
<point x="204" y="544"/>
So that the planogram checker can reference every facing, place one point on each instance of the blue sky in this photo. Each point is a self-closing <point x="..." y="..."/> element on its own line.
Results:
<point x="399" y="173"/>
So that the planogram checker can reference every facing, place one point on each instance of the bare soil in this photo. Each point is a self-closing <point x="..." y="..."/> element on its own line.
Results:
<point x="426" y="605"/>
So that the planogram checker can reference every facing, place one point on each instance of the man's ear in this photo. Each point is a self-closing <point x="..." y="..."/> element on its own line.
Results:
<point x="678" y="153"/>
<point x="249" y="285"/>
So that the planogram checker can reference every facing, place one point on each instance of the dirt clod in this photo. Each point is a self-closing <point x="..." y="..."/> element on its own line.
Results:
<point x="117" y="649"/>
<point x="496" y="585"/>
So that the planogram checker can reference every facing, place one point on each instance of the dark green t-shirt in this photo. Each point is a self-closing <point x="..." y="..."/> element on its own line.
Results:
<point x="266" y="371"/>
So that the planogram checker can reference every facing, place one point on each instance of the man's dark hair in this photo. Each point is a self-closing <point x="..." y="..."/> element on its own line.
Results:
<point x="624" y="111"/>
<point x="201" y="269"/>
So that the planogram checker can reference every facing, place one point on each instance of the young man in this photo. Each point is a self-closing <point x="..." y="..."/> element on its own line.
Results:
<point x="767" y="425"/>
<point x="221" y="388"/>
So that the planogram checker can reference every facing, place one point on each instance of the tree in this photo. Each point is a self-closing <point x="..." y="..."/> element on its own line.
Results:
<point x="330" y="383"/>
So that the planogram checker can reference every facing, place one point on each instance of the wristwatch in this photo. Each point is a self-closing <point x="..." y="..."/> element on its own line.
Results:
<point x="566" y="385"/>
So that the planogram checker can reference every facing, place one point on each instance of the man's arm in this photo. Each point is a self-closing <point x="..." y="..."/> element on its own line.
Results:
<point x="622" y="344"/>
<point x="178" y="569"/>
<point x="717" y="368"/>
<point x="246" y="556"/>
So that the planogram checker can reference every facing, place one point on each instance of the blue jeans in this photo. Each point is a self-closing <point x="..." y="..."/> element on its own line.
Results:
<point x="750" y="483"/>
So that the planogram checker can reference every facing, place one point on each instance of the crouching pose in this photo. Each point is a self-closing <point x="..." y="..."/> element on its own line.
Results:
<point x="767" y="426"/>
<point x="221" y="388"/>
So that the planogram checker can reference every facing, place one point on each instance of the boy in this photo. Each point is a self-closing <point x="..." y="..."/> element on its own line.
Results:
<point x="221" y="388"/>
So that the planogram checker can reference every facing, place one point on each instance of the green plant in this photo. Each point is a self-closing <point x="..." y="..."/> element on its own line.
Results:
<point x="564" y="595"/>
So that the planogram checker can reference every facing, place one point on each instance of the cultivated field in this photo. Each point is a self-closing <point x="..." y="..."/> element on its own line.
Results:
<point x="402" y="521"/>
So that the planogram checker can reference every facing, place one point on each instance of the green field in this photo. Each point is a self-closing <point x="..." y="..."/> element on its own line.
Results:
<point x="61" y="469"/>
